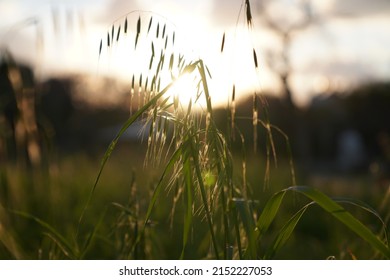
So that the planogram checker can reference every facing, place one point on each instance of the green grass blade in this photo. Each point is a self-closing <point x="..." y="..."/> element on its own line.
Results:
<point x="58" y="244"/>
<point x="249" y="226"/>
<point x="92" y="234"/>
<point x="285" y="233"/>
<point x="157" y="190"/>
<point x="124" y="209"/>
<point x="54" y="234"/>
<point x="269" y="213"/>
<point x="8" y="242"/>
<point x="344" y="216"/>
<point x="364" y="206"/>
<point x="202" y="72"/>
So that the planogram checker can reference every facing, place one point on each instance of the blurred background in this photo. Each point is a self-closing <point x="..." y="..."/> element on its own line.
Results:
<point x="324" y="68"/>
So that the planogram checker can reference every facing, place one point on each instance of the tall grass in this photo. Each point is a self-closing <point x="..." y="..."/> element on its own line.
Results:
<point x="199" y="169"/>
<point x="199" y="181"/>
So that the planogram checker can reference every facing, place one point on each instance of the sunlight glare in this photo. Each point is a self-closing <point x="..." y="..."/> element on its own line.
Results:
<point x="185" y="91"/>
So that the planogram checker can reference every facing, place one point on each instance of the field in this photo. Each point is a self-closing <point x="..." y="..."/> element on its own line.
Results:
<point x="117" y="210"/>
<point x="204" y="184"/>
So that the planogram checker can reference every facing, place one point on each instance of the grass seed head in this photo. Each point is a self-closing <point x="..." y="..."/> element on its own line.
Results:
<point x="118" y="34"/>
<point x="255" y="58"/>
<point x="139" y="25"/>
<point x="223" y="42"/>
<point x="163" y="32"/>
<point x="150" y="24"/>
<point x="112" y="33"/>
<point x="248" y="13"/>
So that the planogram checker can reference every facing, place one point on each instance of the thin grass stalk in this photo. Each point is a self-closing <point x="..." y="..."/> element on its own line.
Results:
<point x="254" y="122"/>
<point x="219" y="155"/>
<point x="225" y="214"/>
<point x="237" y="234"/>
<point x="170" y="165"/>
<point x="289" y="154"/>
<point x="204" y="197"/>
<point x="189" y="186"/>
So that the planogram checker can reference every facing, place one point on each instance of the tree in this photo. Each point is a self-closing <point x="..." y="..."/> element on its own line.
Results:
<point x="299" y="16"/>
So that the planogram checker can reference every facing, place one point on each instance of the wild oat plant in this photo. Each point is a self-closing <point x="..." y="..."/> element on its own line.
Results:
<point x="198" y="159"/>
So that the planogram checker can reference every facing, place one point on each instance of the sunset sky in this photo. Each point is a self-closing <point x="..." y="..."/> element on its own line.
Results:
<point x="347" y="43"/>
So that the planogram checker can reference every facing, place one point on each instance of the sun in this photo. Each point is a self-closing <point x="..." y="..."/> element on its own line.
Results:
<point x="185" y="90"/>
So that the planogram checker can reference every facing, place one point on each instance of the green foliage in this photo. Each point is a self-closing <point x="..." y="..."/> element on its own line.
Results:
<point x="326" y="203"/>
